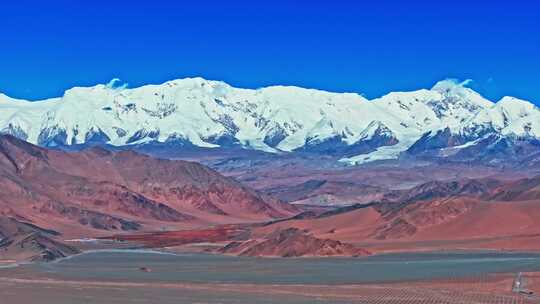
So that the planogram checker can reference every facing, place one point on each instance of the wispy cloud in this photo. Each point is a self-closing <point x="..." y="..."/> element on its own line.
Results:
<point x="115" y="84"/>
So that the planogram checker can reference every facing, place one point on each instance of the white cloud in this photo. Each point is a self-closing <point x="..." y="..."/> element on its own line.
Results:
<point x="115" y="84"/>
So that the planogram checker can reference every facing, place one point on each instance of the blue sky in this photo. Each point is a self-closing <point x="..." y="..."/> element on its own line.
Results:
<point x="336" y="45"/>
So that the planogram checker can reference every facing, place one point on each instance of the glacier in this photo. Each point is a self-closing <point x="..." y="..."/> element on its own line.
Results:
<point x="277" y="119"/>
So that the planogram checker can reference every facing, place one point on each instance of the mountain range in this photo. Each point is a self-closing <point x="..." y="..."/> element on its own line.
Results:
<point x="447" y="122"/>
<point x="96" y="191"/>
<point x="51" y="200"/>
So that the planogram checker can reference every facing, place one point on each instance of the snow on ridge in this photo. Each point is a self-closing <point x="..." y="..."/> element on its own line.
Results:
<point x="210" y="113"/>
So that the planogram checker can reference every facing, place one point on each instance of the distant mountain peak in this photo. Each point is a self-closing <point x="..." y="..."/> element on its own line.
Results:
<point x="207" y="113"/>
<point x="451" y="84"/>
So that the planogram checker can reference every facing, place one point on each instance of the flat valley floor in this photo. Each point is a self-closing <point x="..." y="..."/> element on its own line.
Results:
<point x="117" y="277"/>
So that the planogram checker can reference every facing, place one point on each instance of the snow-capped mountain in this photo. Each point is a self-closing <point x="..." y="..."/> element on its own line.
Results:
<point x="203" y="113"/>
<point x="508" y="128"/>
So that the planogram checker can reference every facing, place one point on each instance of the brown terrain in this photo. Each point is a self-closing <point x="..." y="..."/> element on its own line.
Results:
<point x="493" y="288"/>
<point x="97" y="193"/>
<point x="150" y="202"/>
<point x="466" y="215"/>
<point x="24" y="241"/>
<point x="471" y="214"/>
<point x="292" y="242"/>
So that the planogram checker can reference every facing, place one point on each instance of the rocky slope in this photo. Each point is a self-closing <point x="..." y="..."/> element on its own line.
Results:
<point x="466" y="214"/>
<point x="96" y="191"/>
<point x="470" y="214"/>
<point x="446" y="121"/>
<point x="326" y="193"/>
<point x="291" y="242"/>
<point x="20" y="241"/>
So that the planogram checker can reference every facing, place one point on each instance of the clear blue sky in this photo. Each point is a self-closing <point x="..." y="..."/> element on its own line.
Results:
<point x="49" y="46"/>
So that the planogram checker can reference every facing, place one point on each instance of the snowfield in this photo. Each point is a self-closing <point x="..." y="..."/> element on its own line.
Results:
<point x="204" y="113"/>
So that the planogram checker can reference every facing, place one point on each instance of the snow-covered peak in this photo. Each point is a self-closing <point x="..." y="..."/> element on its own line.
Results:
<point x="5" y="99"/>
<point x="513" y="104"/>
<point x="448" y="104"/>
<point x="509" y="116"/>
<point x="452" y="88"/>
<point x="210" y="113"/>
<point x="451" y="85"/>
